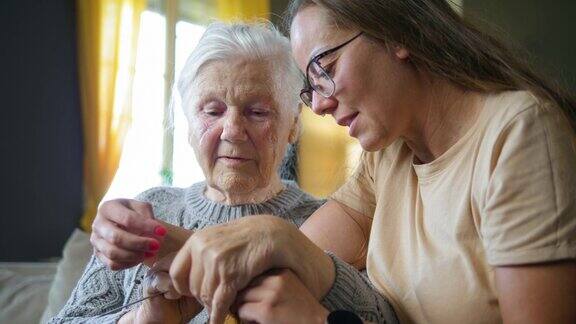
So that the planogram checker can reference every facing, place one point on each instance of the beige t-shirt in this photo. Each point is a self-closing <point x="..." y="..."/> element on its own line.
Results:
<point x="504" y="194"/>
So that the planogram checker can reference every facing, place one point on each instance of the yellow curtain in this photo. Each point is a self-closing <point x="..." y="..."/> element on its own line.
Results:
<point x="107" y="38"/>
<point x="243" y="9"/>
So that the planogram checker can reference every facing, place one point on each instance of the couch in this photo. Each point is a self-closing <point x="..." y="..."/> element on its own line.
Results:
<point x="34" y="292"/>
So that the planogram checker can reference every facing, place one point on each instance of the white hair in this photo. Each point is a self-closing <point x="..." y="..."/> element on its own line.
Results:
<point x="259" y="41"/>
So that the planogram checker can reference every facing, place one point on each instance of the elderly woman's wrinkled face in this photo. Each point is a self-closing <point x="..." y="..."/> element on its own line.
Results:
<point x="238" y="130"/>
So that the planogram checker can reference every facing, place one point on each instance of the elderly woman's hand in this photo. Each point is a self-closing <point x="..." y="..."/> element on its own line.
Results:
<point x="278" y="296"/>
<point x="217" y="262"/>
<point x="169" y="307"/>
<point x="125" y="232"/>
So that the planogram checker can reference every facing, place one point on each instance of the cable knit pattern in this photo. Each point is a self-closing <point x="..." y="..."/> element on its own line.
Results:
<point x="352" y="291"/>
<point x="100" y="289"/>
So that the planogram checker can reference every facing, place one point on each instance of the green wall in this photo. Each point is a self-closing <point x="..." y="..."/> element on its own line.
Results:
<point x="546" y="29"/>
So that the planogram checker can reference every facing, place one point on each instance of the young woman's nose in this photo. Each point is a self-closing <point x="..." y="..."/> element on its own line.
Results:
<point x="322" y="105"/>
<point x="234" y="128"/>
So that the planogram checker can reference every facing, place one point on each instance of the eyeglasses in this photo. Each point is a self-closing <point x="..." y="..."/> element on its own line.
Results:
<point x="317" y="79"/>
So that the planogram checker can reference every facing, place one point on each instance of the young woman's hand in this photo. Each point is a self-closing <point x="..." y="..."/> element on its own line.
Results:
<point x="278" y="296"/>
<point x="217" y="262"/>
<point x="124" y="233"/>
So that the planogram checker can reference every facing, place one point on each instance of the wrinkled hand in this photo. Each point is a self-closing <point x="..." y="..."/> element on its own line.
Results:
<point x="124" y="233"/>
<point x="278" y="296"/>
<point x="217" y="262"/>
<point x="171" y="307"/>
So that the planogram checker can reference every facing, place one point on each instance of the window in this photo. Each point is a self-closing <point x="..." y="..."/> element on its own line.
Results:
<point x="142" y="156"/>
<point x="326" y="156"/>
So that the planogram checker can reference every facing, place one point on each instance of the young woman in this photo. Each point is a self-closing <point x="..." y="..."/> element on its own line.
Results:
<point x="463" y="207"/>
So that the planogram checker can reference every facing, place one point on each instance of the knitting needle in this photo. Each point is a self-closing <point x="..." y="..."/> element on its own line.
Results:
<point x="132" y="303"/>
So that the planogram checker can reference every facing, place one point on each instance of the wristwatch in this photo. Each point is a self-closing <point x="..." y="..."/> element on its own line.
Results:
<point x="343" y="317"/>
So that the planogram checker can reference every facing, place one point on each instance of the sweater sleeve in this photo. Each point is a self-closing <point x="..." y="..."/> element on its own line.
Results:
<point x="353" y="292"/>
<point x="98" y="291"/>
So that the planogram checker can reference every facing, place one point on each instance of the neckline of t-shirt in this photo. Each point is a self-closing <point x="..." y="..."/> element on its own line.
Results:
<point x="428" y="171"/>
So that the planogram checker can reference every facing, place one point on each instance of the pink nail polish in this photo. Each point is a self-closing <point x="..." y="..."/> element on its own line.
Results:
<point x="154" y="246"/>
<point x="160" y="231"/>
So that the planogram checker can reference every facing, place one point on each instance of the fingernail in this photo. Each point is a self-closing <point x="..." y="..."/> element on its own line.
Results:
<point x="160" y="231"/>
<point x="153" y="246"/>
<point x="148" y="254"/>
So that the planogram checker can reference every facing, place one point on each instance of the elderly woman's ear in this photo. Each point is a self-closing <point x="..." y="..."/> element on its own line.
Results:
<point x="296" y="126"/>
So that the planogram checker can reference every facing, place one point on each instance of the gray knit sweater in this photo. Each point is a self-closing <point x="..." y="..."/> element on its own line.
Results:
<point x="100" y="289"/>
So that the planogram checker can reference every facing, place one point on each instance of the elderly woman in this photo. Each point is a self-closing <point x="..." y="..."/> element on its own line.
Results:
<point x="237" y="91"/>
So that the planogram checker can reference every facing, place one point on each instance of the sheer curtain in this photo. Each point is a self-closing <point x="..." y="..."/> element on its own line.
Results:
<point x="107" y="37"/>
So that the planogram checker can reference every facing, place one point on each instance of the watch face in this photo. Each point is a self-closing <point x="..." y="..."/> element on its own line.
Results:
<point x="343" y="317"/>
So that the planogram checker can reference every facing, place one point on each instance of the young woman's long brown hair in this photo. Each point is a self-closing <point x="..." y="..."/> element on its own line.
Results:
<point x="443" y="43"/>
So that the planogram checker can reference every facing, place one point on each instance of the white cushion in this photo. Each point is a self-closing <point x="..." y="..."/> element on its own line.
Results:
<point x="75" y="256"/>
